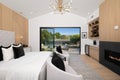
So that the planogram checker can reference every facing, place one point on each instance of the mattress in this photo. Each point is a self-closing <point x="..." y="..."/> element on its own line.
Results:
<point x="29" y="67"/>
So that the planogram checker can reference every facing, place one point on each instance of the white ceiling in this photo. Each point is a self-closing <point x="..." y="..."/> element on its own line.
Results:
<point x="34" y="8"/>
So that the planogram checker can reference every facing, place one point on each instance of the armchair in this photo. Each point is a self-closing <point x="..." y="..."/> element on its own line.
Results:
<point x="54" y="73"/>
<point x="62" y="53"/>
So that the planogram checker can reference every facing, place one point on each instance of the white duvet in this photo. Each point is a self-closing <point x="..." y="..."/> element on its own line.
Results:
<point x="27" y="67"/>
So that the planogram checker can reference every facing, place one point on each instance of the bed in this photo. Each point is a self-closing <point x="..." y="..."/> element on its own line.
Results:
<point x="32" y="66"/>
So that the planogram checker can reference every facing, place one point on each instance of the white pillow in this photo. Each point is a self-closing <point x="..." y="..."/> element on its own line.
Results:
<point x="7" y="53"/>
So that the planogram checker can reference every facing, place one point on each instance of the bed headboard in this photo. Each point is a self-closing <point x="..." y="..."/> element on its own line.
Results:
<point x="7" y="38"/>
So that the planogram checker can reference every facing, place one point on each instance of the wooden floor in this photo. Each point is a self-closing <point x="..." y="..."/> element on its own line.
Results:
<point x="104" y="72"/>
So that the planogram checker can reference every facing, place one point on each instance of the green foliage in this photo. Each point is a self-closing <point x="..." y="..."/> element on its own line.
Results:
<point x="64" y="37"/>
<point x="46" y="36"/>
<point x="74" y="38"/>
<point x="57" y="35"/>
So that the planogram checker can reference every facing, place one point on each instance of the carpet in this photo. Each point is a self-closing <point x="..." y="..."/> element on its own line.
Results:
<point x="82" y="68"/>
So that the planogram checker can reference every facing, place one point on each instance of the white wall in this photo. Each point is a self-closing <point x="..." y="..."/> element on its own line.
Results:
<point x="54" y="20"/>
<point x="92" y="16"/>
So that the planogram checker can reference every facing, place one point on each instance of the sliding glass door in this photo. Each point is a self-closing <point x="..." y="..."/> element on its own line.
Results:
<point x="67" y="37"/>
<point x="46" y="39"/>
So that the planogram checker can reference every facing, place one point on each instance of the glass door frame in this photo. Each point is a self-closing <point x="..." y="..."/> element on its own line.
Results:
<point x="41" y="38"/>
<point x="54" y="37"/>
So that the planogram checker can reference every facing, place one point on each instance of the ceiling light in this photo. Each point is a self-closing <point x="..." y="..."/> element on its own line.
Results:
<point x="60" y="6"/>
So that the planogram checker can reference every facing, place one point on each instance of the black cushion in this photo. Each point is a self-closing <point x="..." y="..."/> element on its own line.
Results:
<point x="58" y="62"/>
<point x="18" y="51"/>
<point x="59" y="49"/>
<point x="1" y="55"/>
<point x="62" y="57"/>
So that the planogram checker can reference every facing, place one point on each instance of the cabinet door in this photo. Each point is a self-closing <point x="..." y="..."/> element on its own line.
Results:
<point x="94" y="52"/>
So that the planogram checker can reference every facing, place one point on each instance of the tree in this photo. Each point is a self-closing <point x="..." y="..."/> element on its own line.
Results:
<point x="74" y="38"/>
<point x="57" y="35"/>
<point x="64" y="37"/>
<point x="46" y="36"/>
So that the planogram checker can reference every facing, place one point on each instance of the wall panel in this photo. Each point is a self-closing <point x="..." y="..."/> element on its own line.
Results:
<point x="0" y="16"/>
<point x="6" y="18"/>
<point x="12" y="21"/>
<point x="109" y="18"/>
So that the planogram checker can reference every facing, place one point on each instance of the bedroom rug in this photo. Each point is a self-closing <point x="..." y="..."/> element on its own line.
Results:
<point x="81" y="68"/>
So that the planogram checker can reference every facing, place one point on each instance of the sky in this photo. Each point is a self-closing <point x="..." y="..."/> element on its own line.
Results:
<point x="67" y="31"/>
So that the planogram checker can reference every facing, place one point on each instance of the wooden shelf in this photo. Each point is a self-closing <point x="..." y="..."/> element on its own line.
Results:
<point x="94" y="28"/>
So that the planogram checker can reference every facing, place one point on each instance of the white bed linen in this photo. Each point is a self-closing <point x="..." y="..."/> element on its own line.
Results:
<point x="27" y="67"/>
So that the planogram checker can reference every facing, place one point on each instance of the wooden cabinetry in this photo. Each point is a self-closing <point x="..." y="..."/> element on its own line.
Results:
<point x="94" y="52"/>
<point x="94" y="28"/>
<point x="109" y="17"/>
<point x="12" y="21"/>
